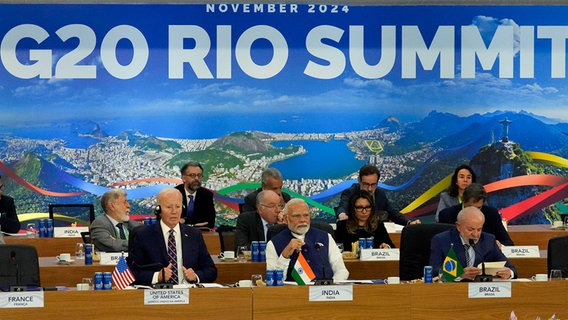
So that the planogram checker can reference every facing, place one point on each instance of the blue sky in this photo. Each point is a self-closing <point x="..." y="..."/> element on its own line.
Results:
<point x="291" y="92"/>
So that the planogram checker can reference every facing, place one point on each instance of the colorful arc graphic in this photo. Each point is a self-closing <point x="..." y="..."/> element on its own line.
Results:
<point x="557" y="193"/>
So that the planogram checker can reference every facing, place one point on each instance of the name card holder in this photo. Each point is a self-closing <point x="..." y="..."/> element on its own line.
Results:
<point x="27" y="299"/>
<point x="521" y="251"/>
<point x="166" y="296"/>
<point x="111" y="258"/>
<point x="331" y="293"/>
<point x="489" y="290"/>
<point x="69" y="232"/>
<point x="379" y="254"/>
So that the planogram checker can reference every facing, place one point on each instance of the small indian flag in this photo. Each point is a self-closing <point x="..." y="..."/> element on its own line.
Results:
<point x="302" y="271"/>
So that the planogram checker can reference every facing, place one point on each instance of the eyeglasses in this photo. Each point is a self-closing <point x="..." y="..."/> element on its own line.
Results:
<point x="193" y="175"/>
<point x="363" y="209"/>
<point x="273" y="206"/>
<point x="369" y="185"/>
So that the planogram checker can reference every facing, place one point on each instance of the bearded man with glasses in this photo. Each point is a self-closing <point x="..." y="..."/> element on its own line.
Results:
<point x="198" y="207"/>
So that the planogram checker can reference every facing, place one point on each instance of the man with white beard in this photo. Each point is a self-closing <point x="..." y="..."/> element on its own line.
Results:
<point x="318" y="247"/>
<point x="110" y="231"/>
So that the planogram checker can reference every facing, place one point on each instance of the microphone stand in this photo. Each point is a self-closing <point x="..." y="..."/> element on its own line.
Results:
<point x="325" y="281"/>
<point x="483" y="277"/>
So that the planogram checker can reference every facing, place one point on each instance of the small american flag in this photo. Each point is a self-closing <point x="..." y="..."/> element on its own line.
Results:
<point x="122" y="277"/>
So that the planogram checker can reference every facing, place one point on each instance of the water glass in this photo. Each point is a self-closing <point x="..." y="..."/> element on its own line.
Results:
<point x="555" y="275"/>
<point x="242" y="253"/>
<point x="31" y="230"/>
<point x="256" y="280"/>
<point x="80" y="250"/>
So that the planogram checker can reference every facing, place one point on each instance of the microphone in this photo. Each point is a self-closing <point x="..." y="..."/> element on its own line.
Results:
<point x="324" y="281"/>
<point x="155" y="267"/>
<point x="18" y="286"/>
<point x="483" y="277"/>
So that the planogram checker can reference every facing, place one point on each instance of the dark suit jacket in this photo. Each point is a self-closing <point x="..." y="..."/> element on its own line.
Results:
<point x="250" y="200"/>
<point x="492" y="223"/>
<point x="204" y="209"/>
<point x="148" y="253"/>
<point x="381" y="204"/>
<point x="8" y="217"/>
<point x="249" y="228"/>
<point x="486" y="250"/>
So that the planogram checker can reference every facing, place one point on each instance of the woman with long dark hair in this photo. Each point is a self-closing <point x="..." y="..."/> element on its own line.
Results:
<point x="363" y="222"/>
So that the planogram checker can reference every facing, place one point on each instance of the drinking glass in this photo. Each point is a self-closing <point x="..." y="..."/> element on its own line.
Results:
<point x="31" y="231"/>
<point x="256" y="280"/>
<point x="80" y="250"/>
<point x="555" y="275"/>
<point x="88" y="281"/>
<point x="241" y="253"/>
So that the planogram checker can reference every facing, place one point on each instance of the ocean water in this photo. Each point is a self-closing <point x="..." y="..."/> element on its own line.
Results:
<point x="323" y="160"/>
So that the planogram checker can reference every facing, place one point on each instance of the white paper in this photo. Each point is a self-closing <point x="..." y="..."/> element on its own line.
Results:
<point x="491" y="268"/>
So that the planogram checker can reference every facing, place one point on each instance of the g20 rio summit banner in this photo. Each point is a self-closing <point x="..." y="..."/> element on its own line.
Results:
<point x="121" y="95"/>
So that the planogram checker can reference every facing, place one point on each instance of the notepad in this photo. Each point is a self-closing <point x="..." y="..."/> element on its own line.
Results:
<point x="492" y="267"/>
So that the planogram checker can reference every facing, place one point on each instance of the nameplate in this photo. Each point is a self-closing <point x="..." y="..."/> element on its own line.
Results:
<point x="27" y="299"/>
<point x="331" y="293"/>
<point x="111" y="258"/>
<point x="69" y="232"/>
<point x="380" y="254"/>
<point x="166" y="296"/>
<point x="521" y="251"/>
<point x="489" y="290"/>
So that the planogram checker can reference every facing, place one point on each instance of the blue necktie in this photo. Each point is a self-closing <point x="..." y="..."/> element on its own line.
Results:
<point x="172" y="254"/>
<point x="190" y="206"/>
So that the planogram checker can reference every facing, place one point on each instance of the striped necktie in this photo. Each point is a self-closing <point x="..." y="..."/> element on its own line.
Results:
<point x="468" y="262"/>
<point x="172" y="254"/>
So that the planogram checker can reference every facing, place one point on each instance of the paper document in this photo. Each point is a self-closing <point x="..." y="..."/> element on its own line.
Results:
<point x="491" y="268"/>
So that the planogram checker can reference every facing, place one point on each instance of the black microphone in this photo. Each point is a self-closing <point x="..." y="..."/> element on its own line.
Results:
<point x="156" y="266"/>
<point x="483" y="277"/>
<point x="324" y="280"/>
<point x="18" y="286"/>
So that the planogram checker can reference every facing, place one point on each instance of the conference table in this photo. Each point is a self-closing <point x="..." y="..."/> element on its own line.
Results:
<point x="54" y="274"/>
<point x="376" y="301"/>
<point x="522" y="235"/>
<point x="50" y="247"/>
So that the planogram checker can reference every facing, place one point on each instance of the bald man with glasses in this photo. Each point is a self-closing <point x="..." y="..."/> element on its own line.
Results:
<point x="254" y="225"/>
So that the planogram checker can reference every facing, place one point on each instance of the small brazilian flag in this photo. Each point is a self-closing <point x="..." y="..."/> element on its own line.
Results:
<point x="452" y="268"/>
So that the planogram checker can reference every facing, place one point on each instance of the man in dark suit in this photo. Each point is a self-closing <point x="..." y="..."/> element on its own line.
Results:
<point x="110" y="231"/>
<point x="368" y="180"/>
<point x="9" y="221"/>
<point x="475" y="195"/>
<point x="170" y="251"/>
<point x="468" y="229"/>
<point x="271" y="179"/>
<point x="253" y="225"/>
<point x="198" y="208"/>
